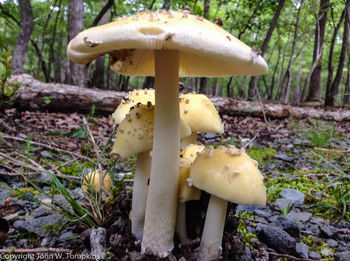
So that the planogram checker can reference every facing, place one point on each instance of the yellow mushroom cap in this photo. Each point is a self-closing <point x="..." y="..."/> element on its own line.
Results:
<point x="142" y="96"/>
<point x="93" y="178"/>
<point x="230" y="174"/>
<point x="186" y="190"/>
<point x="192" y="151"/>
<point x="135" y="132"/>
<point x="206" y="50"/>
<point x="200" y="113"/>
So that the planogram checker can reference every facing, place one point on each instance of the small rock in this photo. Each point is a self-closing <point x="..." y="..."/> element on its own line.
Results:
<point x="40" y="212"/>
<point x="264" y="213"/>
<point x="48" y="241"/>
<point x="314" y="230"/>
<point x="98" y="243"/>
<point x="276" y="238"/>
<point x="332" y="243"/>
<point x="316" y="220"/>
<point x="328" y="231"/>
<point x="342" y="256"/>
<point x="326" y="252"/>
<point x="290" y="146"/>
<point x="281" y="203"/>
<point x="314" y="255"/>
<point x="43" y="177"/>
<point x="66" y="236"/>
<point x="301" y="216"/>
<point x="289" y="224"/>
<point x="284" y="157"/>
<point x="302" y="250"/>
<point x="46" y="154"/>
<point x="77" y="193"/>
<point x="295" y="197"/>
<point x="36" y="225"/>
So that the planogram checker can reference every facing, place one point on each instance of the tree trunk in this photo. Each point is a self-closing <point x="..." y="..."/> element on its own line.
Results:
<point x="99" y="73"/>
<point x="34" y="95"/>
<point x="296" y="93"/>
<point x="166" y="5"/>
<point x="332" y="91"/>
<point x="75" y="25"/>
<point x="346" y="98"/>
<point x="252" y="83"/>
<point x="204" y="81"/>
<point x="315" y="80"/>
<point x="288" y="75"/>
<point x="148" y="83"/>
<point x="27" y="24"/>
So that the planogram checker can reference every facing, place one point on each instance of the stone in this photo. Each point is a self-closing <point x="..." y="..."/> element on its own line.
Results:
<point x="332" y="243"/>
<point x="301" y="216"/>
<point x="46" y="154"/>
<point x="98" y="243"/>
<point x="284" y="157"/>
<point x="40" y="212"/>
<point x="342" y="256"/>
<point x="276" y="238"/>
<point x="264" y="213"/>
<point x="289" y="224"/>
<point x="36" y="225"/>
<point x="49" y="241"/>
<point x="302" y="250"/>
<point x="314" y="255"/>
<point x="326" y="252"/>
<point x="295" y="197"/>
<point x="77" y="193"/>
<point x="281" y="203"/>
<point x="66" y="236"/>
<point x="328" y="231"/>
<point x="43" y="177"/>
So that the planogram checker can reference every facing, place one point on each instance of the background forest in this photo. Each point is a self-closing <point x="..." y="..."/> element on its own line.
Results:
<point x="305" y="43"/>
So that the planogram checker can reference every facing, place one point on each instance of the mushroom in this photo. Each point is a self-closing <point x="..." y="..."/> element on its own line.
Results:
<point x="228" y="174"/>
<point x="200" y="114"/>
<point x="186" y="190"/>
<point x="165" y="44"/>
<point x="135" y="137"/>
<point x="92" y="180"/>
<point x="143" y="96"/>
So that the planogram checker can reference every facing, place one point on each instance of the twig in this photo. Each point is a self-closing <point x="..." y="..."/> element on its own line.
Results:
<point x="38" y="168"/>
<point x="98" y="153"/>
<point x="36" y="250"/>
<point x="331" y="150"/>
<point x="250" y="141"/>
<point x="290" y="257"/>
<point x="46" y="146"/>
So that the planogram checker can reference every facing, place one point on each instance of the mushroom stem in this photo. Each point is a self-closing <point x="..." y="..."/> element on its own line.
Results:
<point x="140" y="191"/>
<point x="181" y="228"/>
<point x="162" y="195"/>
<point x="210" y="247"/>
<point x="192" y="139"/>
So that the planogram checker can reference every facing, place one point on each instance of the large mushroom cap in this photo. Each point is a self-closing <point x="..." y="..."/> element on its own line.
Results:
<point x="205" y="49"/>
<point x="229" y="174"/>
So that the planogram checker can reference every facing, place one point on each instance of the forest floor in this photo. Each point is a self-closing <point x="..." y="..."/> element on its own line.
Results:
<point x="306" y="165"/>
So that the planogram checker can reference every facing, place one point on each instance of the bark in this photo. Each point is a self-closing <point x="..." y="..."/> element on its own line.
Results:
<point x="166" y="5"/>
<point x="103" y="13"/>
<point x="148" y="83"/>
<point x="315" y="80"/>
<point x="332" y="91"/>
<point x="296" y="93"/>
<point x="75" y="25"/>
<point x="346" y="97"/>
<point x="204" y="81"/>
<point x="55" y="57"/>
<point x="252" y="83"/>
<point x="288" y="75"/>
<point x="27" y="24"/>
<point x="31" y="95"/>
<point x="99" y="73"/>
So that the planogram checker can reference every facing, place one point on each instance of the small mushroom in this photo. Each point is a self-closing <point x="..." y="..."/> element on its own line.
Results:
<point x="92" y="180"/>
<point x="140" y="122"/>
<point x="200" y="114"/>
<point x="241" y="183"/>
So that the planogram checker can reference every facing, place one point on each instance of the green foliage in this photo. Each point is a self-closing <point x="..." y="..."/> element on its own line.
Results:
<point x="8" y="90"/>
<point x="261" y="154"/>
<point x="317" y="245"/>
<point x="320" y="135"/>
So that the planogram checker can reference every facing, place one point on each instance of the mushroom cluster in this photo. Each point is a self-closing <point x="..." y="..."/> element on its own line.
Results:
<point x="166" y="45"/>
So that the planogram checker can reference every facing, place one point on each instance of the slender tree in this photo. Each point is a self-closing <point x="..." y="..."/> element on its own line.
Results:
<point x="203" y="80"/>
<point x="75" y="73"/>
<point x="27" y="24"/>
<point x="264" y="46"/>
<point x="332" y="90"/>
<point x="315" y="80"/>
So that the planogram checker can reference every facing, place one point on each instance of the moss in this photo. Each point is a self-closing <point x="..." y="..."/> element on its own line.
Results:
<point x="242" y="228"/>
<point x="262" y="154"/>
<point x="22" y="191"/>
<point x="303" y="184"/>
<point x="75" y="168"/>
<point x="317" y="245"/>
